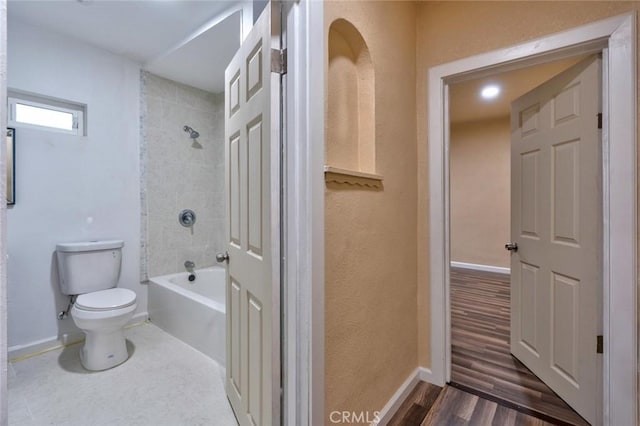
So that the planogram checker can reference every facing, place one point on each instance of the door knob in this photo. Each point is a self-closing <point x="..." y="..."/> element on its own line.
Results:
<point x="222" y="257"/>
<point x="511" y="247"/>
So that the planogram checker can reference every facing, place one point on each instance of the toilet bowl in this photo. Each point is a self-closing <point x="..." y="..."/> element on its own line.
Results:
<point x="89" y="272"/>
<point x="102" y="315"/>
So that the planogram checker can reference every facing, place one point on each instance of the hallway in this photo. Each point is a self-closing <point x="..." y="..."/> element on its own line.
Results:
<point x="431" y="405"/>
<point x="481" y="360"/>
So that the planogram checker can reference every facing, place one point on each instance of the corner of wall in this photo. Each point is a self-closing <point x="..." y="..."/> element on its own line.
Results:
<point x="144" y="209"/>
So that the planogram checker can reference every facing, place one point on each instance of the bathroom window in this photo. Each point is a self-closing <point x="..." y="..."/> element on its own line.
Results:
<point x="47" y="114"/>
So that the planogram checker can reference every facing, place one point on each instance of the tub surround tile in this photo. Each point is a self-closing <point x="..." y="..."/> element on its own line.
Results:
<point x="161" y="263"/>
<point x="202" y="236"/>
<point x="210" y="253"/>
<point x="218" y="236"/>
<point x="198" y="201"/>
<point x="158" y="87"/>
<point x="202" y="256"/>
<point x="195" y="98"/>
<point x="219" y="170"/>
<point x="182" y="173"/>
<point x="161" y="151"/>
<point x="161" y="208"/>
<point x="154" y="112"/>
<point x="217" y="150"/>
<point x="218" y="209"/>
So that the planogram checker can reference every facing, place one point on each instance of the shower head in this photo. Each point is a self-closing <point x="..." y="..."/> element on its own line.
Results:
<point x="192" y="133"/>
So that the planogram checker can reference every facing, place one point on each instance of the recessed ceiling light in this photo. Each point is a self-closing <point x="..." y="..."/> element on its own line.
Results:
<point x="490" y="92"/>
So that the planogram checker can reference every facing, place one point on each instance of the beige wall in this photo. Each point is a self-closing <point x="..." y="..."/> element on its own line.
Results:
<point x="370" y="317"/>
<point x="480" y="191"/>
<point x="453" y="30"/>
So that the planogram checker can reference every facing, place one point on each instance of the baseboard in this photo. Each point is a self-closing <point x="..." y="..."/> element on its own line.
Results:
<point x="426" y="375"/>
<point x="18" y="352"/>
<point x="138" y="319"/>
<point x="392" y="406"/>
<point x="486" y="268"/>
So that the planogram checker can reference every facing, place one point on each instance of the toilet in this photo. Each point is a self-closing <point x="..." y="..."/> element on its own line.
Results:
<point x="90" y="271"/>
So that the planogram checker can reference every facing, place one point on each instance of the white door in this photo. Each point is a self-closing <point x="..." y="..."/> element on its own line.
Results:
<point x="252" y="138"/>
<point x="556" y="222"/>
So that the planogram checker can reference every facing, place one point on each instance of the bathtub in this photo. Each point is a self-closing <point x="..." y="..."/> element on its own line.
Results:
<point x="192" y="311"/>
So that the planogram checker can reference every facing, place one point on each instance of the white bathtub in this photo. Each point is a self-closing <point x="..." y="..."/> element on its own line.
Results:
<point x="192" y="311"/>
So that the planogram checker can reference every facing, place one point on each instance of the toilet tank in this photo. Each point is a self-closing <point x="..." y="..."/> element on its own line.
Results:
<point x="89" y="266"/>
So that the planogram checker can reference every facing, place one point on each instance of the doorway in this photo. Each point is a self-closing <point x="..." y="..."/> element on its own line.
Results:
<point x="482" y="363"/>
<point x="618" y="206"/>
<point x="481" y="222"/>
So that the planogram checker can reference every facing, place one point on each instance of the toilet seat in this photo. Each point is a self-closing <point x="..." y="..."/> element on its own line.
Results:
<point x="106" y="300"/>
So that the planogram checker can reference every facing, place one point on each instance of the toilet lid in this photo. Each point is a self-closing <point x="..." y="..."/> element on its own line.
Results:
<point x="104" y="300"/>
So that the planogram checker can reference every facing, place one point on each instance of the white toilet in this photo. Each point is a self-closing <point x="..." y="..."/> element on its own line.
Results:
<point x="90" y="271"/>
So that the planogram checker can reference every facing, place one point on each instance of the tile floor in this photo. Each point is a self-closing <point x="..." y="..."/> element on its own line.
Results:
<point x="165" y="382"/>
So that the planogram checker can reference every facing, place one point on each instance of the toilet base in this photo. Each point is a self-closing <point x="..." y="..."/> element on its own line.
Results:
<point x="103" y="350"/>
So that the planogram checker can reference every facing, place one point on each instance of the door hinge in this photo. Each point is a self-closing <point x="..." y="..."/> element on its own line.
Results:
<point x="279" y="61"/>
<point x="599" y="120"/>
<point x="599" y="344"/>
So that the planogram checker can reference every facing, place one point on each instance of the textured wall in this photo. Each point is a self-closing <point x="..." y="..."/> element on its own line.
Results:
<point x="453" y="30"/>
<point x="480" y="191"/>
<point x="370" y="262"/>
<point x="182" y="173"/>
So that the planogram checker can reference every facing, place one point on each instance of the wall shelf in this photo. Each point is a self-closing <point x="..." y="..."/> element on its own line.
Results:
<point x="352" y="177"/>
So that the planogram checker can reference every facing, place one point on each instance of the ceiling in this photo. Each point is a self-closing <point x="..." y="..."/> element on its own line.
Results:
<point x="201" y="62"/>
<point x="465" y="101"/>
<point x="187" y="41"/>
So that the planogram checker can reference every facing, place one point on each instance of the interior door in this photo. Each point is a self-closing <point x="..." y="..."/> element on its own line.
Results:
<point x="556" y="222"/>
<point x="252" y="138"/>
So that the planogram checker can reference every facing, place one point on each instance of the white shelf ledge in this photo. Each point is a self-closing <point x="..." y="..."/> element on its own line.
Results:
<point x="352" y="177"/>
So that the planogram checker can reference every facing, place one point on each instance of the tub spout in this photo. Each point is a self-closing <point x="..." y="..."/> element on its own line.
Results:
<point x="189" y="266"/>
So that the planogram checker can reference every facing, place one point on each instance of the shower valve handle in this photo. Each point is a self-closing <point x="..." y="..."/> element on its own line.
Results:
<point x="187" y="218"/>
<point x="222" y="257"/>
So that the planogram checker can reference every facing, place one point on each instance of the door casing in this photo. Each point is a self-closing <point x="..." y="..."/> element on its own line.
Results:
<point x="3" y="221"/>
<point x="616" y="38"/>
<point x="303" y="211"/>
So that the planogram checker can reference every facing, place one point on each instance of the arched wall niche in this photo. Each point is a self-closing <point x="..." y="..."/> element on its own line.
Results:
<point x="350" y="132"/>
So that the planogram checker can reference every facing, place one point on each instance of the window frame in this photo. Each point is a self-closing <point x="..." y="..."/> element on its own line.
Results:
<point x="77" y="111"/>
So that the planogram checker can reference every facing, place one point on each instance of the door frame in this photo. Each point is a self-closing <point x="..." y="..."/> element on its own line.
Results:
<point x="616" y="38"/>
<point x="303" y="213"/>
<point x="3" y="219"/>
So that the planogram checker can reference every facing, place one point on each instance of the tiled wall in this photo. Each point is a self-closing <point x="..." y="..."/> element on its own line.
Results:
<point x="180" y="173"/>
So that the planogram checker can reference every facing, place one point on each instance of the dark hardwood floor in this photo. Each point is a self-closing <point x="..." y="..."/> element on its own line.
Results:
<point x="481" y="359"/>
<point x="432" y="405"/>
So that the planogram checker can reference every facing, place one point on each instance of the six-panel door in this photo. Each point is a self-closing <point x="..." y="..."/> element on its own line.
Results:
<point x="556" y="220"/>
